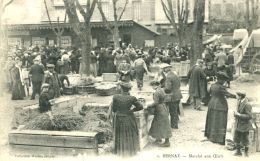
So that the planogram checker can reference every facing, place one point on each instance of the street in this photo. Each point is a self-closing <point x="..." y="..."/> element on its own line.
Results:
<point x="187" y="143"/>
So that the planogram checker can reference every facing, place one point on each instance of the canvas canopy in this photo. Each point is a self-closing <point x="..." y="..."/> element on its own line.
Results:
<point x="239" y="34"/>
<point x="212" y="39"/>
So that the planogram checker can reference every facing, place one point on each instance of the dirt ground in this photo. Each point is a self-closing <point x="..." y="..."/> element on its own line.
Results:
<point x="187" y="142"/>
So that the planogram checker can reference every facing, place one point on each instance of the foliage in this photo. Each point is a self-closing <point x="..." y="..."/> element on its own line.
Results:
<point x="56" y="122"/>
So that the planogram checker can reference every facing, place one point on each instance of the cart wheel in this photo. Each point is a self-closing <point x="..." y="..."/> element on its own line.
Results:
<point x="255" y="63"/>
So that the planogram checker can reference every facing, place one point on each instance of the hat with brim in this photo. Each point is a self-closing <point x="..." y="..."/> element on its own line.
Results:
<point x="139" y="53"/>
<point x="165" y="65"/>
<point x="222" y="75"/>
<point x="36" y="59"/>
<point x="125" y="85"/>
<point x="241" y="93"/>
<point x="50" y="66"/>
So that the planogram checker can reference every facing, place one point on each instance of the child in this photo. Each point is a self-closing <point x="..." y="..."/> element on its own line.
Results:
<point x="243" y="116"/>
<point x="44" y="100"/>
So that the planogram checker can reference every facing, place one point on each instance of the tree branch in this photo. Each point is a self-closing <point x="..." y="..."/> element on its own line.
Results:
<point x="114" y="9"/>
<point x="48" y="15"/>
<point x="88" y="6"/>
<point x="7" y="4"/>
<point x="81" y="10"/>
<point x="186" y="13"/>
<point x="72" y="15"/>
<point x="91" y="9"/>
<point x="104" y="19"/>
<point x="120" y="16"/>
<point x="166" y="11"/>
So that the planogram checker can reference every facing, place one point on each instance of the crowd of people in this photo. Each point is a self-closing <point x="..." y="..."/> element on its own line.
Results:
<point x="26" y="66"/>
<point x="45" y="68"/>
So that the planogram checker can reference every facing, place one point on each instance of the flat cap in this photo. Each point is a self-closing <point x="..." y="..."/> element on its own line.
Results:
<point x="50" y="66"/>
<point x="241" y="93"/>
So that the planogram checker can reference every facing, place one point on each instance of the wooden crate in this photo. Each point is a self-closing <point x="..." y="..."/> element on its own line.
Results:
<point x="253" y="139"/>
<point x="52" y="142"/>
<point x="184" y="69"/>
<point x="110" y="77"/>
<point x="143" y="128"/>
<point x="176" y="67"/>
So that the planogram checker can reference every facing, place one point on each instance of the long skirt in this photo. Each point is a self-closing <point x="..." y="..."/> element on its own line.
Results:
<point x="18" y="92"/>
<point x="126" y="135"/>
<point x="160" y="127"/>
<point x="216" y="125"/>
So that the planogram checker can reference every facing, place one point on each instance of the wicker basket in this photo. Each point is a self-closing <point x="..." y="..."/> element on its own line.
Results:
<point x="70" y="90"/>
<point x="90" y="89"/>
<point x="110" y="77"/>
<point x="107" y="92"/>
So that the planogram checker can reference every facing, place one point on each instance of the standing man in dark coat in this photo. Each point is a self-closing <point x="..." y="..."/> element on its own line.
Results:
<point x="173" y="94"/>
<point x="197" y="84"/>
<point x="243" y="116"/>
<point x="140" y="69"/>
<point x="52" y="79"/>
<point x="124" y="70"/>
<point x="37" y="74"/>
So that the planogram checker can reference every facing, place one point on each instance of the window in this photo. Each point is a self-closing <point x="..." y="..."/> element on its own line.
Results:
<point x="216" y="11"/>
<point x="136" y="10"/>
<point x="229" y="10"/>
<point x="65" y="41"/>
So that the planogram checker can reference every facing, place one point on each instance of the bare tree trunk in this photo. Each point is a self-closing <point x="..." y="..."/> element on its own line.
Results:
<point x="248" y="22"/>
<point x="197" y="33"/>
<point x="85" y="39"/>
<point x="83" y="32"/>
<point x="116" y="36"/>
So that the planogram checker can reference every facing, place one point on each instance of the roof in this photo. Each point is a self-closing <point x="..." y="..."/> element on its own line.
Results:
<point x="97" y="24"/>
<point x="46" y="25"/>
<point x="147" y="28"/>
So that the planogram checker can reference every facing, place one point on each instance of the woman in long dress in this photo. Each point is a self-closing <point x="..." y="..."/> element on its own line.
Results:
<point x="18" y="92"/>
<point x="124" y="123"/>
<point x="216" y="122"/>
<point x="160" y="128"/>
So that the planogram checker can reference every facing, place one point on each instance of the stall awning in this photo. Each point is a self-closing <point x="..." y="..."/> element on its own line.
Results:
<point x="46" y="25"/>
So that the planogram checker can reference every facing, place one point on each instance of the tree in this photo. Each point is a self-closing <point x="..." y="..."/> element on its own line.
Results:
<point x="182" y="14"/>
<point x="197" y="31"/>
<point x="57" y="29"/>
<point x="117" y="17"/>
<point x="3" y="35"/>
<point x="252" y="14"/>
<point x="83" y="31"/>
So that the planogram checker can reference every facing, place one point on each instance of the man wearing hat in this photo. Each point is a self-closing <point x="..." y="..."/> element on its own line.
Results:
<point x="197" y="84"/>
<point x="52" y="79"/>
<point x="37" y="74"/>
<point x="243" y="115"/>
<point x="140" y="68"/>
<point x="173" y="94"/>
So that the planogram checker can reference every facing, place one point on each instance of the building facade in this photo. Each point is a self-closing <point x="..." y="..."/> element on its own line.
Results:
<point x="145" y="14"/>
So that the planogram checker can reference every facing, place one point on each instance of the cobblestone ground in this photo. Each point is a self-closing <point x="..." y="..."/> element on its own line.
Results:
<point x="187" y="142"/>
